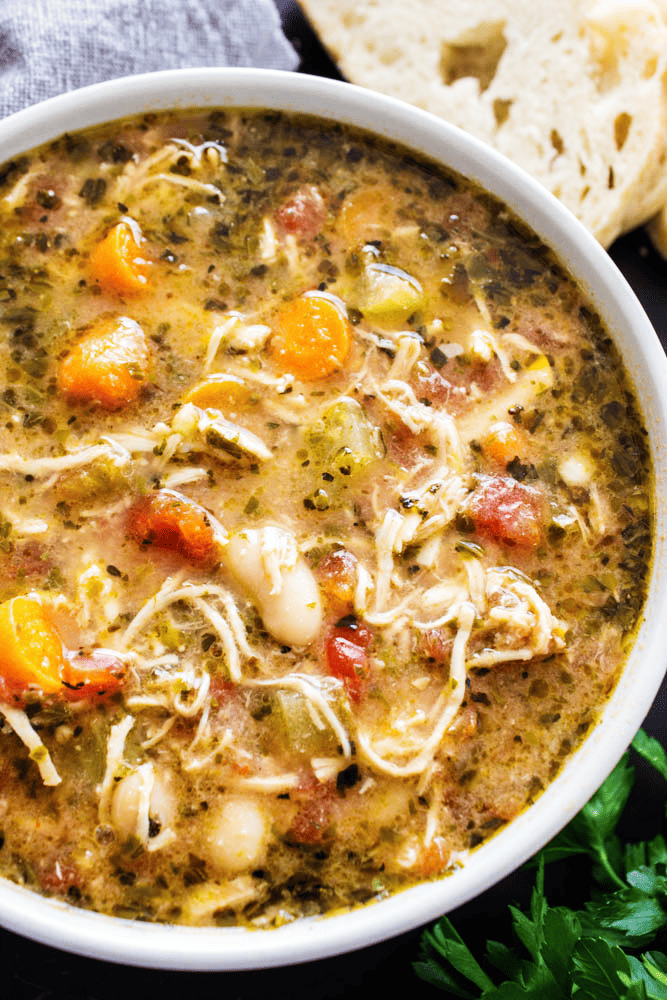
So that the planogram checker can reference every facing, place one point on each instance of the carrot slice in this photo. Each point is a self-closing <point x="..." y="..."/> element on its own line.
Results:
<point x="312" y="337"/>
<point x="337" y="576"/>
<point x="107" y="366"/>
<point x="503" y="443"/>
<point x="31" y="652"/>
<point x="119" y="263"/>
<point x="169" y="520"/>
<point x="368" y="213"/>
<point x="219" y="391"/>
<point x="433" y="859"/>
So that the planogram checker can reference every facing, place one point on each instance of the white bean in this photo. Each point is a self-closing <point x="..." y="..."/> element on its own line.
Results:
<point x="268" y="565"/>
<point x="237" y="833"/>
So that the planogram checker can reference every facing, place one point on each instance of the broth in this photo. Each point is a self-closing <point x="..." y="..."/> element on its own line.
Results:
<point x="325" y="518"/>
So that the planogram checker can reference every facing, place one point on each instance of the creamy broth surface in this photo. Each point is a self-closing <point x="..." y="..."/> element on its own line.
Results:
<point x="325" y="518"/>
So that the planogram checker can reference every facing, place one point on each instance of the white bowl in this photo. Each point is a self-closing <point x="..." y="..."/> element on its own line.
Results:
<point x="176" y="947"/>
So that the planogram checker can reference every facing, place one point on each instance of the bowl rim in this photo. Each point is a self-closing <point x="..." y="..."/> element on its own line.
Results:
<point x="215" y="949"/>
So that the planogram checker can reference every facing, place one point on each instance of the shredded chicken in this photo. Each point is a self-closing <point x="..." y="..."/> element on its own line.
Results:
<point x="20" y="723"/>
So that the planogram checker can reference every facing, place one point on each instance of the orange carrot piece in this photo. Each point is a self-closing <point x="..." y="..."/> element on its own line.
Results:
<point x="337" y="577"/>
<point x="312" y="337"/>
<point x="169" y="520"/>
<point x="433" y="859"/>
<point x="107" y="366"/>
<point x="119" y="263"/>
<point x="219" y="391"/>
<point x="31" y="652"/>
<point x="504" y="442"/>
<point x="367" y="213"/>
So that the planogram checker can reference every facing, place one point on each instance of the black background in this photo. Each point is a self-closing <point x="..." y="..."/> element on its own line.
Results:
<point x="30" y="971"/>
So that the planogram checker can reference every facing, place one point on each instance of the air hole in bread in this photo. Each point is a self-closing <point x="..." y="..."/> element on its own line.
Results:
<point x="501" y="110"/>
<point x="584" y="193"/>
<point x="352" y="19"/>
<point x="475" y="54"/>
<point x="557" y="141"/>
<point x="622" y="125"/>
<point x="650" y="67"/>
<point x="607" y="45"/>
<point x="610" y="179"/>
<point x="389" y="56"/>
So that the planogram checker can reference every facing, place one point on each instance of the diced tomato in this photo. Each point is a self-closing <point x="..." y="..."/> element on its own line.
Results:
<point x="349" y="663"/>
<point x="354" y="630"/>
<point x="337" y="575"/>
<point x="450" y="387"/>
<point x="169" y="520"/>
<point x="312" y="821"/>
<point x="26" y="560"/>
<point x="436" y="645"/>
<point x="507" y="511"/>
<point x="303" y="213"/>
<point x="404" y="447"/>
<point x="92" y="676"/>
<point x="221" y="689"/>
<point x="59" y="877"/>
<point x="487" y="377"/>
<point x="440" y="391"/>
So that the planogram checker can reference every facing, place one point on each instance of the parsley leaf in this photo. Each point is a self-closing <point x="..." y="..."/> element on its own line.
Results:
<point x="445" y="941"/>
<point x="592" y="830"/>
<point x="651" y="751"/>
<point x="602" y="972"/>
<point x="627" y="917"/>
<point x="651" y="972"/>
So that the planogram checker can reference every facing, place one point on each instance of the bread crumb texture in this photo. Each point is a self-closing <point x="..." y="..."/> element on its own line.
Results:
<point x="574" y="91"/>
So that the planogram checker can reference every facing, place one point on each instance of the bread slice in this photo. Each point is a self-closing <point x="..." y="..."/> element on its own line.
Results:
<point x="656" y="229"/>
<point x="572" y="90"/>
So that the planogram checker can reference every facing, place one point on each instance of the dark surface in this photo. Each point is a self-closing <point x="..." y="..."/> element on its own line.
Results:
<point x="35" y="972"/>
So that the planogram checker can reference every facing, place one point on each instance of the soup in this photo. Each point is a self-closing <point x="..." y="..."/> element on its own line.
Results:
<point x="326" y="518"/>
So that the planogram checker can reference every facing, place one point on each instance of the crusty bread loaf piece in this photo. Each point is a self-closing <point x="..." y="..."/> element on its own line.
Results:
<point x="657" y="231"/>
<point x="572" y="90"/>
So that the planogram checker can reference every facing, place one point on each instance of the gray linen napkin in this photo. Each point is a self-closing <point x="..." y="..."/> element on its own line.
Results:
<point x="50" y="46"/>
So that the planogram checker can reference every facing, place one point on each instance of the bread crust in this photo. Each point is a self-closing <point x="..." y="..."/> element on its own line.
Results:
<point x="574" y="91"/>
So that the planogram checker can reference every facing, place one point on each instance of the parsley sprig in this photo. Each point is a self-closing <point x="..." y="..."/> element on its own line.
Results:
<point x="560" y="952"/>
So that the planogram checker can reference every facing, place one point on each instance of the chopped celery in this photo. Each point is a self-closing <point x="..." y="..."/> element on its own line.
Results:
<point x="83" y="755"/>
<point x="171" y="637"/>
<point x="344" y="441"/>
<point x="388" y="293"/>
<point x="100" y="479"/>
<point x="298" y="727"/>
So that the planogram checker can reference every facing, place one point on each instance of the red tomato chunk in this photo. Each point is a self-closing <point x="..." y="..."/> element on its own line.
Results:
<point x="168" y="520"/>
<point x="349" y="663"/>
<point x="311" y="823"/>
<point x="95" y="675"/>
<point x="303" y="214"/>
<point x="507" y="511"/>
